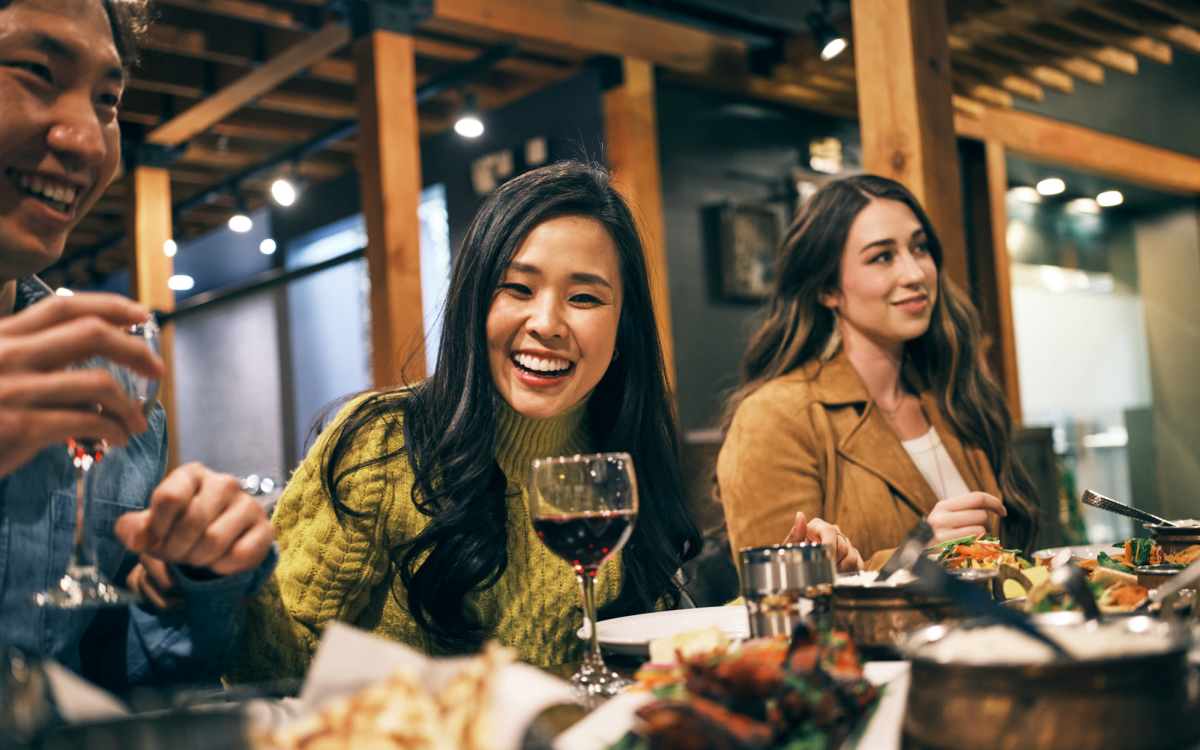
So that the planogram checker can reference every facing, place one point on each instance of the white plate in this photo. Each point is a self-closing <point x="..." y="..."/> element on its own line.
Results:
<point x="1082" y="551"/>
<point x="632" y="635"/>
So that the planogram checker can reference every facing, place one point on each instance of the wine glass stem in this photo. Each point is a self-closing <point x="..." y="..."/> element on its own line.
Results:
<point x="80" y="557"/>
<point x="587" y="585"/>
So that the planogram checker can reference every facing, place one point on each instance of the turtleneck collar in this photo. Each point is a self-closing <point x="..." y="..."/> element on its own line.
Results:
<point x="520" y="439"/>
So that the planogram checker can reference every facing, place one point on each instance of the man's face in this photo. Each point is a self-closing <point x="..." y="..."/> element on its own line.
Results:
<point x="60" y="84"/>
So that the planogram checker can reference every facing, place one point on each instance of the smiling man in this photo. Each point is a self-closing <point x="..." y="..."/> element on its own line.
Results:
<point x="62" y="73"/>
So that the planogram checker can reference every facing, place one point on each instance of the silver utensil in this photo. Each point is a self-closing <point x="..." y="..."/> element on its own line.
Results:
<point x="975" y="600"/>
<point x="1097" y="500"/>
<point x="907" y="553"/>
<point x="1073" y="580"/>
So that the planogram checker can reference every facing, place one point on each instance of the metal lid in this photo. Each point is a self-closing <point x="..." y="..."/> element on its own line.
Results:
<point x="799" y="552"/>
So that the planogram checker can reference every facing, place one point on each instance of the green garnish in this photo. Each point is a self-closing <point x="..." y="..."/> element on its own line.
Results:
<point x="1104" y="561"/>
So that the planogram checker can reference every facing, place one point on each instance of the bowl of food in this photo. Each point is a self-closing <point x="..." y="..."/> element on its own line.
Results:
<point x="1180" y="540"/>
<point x="877" y="614"/>
<point x="1126" y="684"/>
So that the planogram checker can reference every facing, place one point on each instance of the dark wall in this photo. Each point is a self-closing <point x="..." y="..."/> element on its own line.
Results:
<point x="715" y="149"/>
<point x="1159" y="106"/>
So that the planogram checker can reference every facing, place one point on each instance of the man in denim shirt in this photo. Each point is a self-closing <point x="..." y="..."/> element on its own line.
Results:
<point x="62" y="73"/>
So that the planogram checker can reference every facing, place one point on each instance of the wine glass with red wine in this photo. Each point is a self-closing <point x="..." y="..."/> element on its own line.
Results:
<point x="84" y="584"/>
<point x="583" y="509"/>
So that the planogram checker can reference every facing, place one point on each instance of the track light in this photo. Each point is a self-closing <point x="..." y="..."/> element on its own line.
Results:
<point x="267" y="246"/>
<point x="240" y="222"/>
<point x="1110" y="198"/>
<point x="181" y="282"/>
<point x="830" y="43"/>
<point x="283" y="192"/>
<point x="170" y="247"/>
<point x="1051" y="186"/>
<point x="468" y="124"/>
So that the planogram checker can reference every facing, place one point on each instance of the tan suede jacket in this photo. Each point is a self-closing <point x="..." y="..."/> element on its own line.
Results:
<point x="814" y="441"/>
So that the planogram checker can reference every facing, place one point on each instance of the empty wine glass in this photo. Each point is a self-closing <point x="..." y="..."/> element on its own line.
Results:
<point x="583" y="509"/>
<point x="84" y="584"/>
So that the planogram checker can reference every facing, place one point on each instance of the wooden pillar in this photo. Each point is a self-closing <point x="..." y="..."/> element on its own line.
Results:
<point x="986" y="181"/>
<point x="150" y="219"/>
<point x="631" y="140"/>
<point x="389" y="163"/>
<point x="902" y="64"/>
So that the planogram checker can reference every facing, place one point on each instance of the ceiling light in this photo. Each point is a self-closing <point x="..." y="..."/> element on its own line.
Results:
<point x="1083" y="206"/>
<point x="1110" y="198"/>
<point x="267" y="246"/>
<point x="1025" y="194"/>
<point x="62" y="291"/>
<point x="829" y="42"/>
<point x="468" y="124"/>
<point x="170" y="248"/>
<point x="181" y="282"/>
<point x="240" y="222"/>
<point x="1051" y="186"/>
<point x="283" y="192"/>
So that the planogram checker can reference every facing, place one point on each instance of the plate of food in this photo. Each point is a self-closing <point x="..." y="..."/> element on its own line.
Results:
<point x="700" y="628"/>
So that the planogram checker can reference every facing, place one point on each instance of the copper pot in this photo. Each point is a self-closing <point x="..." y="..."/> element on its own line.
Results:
<point x="877" y="617"/>
<point x="1174" y="539"/>
<point x="1130" y="701"/>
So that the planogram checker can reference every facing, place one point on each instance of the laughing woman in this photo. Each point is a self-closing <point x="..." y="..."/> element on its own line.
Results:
<point x="864" y="404"/>
<point x="409" y="517"/>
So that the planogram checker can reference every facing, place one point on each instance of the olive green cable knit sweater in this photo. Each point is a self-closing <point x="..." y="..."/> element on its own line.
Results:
<point x="337" y="567"/>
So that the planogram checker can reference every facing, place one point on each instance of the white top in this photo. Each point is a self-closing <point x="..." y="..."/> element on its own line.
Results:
<point x="935" y="465"/>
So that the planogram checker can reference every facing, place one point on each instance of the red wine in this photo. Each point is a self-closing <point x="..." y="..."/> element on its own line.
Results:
<point x="585" y="540"/>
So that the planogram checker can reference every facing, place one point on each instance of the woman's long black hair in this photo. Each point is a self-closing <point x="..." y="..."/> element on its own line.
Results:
<point x="449" y="420"/>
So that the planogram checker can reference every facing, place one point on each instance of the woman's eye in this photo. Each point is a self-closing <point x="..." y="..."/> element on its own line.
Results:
<point x="586" y="299"/>
<point x="884" y="257"/>
<point x="518" y="289"/>
<point x="37" y="69"/>
<point x="922" y="248"/>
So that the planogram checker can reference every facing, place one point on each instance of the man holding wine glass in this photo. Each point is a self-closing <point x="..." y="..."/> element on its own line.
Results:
<point x="62" y="71"/>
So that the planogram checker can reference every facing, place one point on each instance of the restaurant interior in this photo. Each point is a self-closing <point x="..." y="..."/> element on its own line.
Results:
<point x="299" y="175"/>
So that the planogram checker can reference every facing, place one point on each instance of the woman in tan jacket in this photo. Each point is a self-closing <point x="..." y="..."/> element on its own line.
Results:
<point x="864" y="405"/>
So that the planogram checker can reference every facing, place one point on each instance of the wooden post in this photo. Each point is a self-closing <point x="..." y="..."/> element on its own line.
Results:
<point x="991" y="271"/>
<point x="390" y="176"/>
<point x="150" y="220"/>
<point x="631" y="140"/>
<point x="902" y="63"/>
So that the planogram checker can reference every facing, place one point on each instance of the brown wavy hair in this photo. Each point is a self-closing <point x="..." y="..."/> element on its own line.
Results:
<point x="946" y="359"/>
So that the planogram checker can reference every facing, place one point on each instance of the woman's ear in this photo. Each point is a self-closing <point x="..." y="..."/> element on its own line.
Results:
<point x="830" y="299"/>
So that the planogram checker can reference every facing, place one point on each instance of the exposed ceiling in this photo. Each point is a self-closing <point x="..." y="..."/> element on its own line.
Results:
<point x="1002" y="50"/>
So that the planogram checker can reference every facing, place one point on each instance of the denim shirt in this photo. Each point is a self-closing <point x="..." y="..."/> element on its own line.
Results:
<point x="127" y="645"/>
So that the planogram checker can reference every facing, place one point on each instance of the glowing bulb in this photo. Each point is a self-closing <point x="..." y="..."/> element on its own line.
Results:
<point x="1110" y="198"/>
<point x="181" y="282"/>
<point x="469" y="126"/>
<point x="1051" y="186"/>
<point x="240" y="223"/>
<point x="283" y="192"/>
<point x="267" y="246"/>
<point x="62" y="291"/>
<point x="833" y="48"/>
<point x="1084" y="206"/>
<point x="1025" y="194"/>
<point x="170" y="248"/>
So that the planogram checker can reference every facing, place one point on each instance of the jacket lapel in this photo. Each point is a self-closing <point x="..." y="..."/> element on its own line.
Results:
<point x="870" y="441"/>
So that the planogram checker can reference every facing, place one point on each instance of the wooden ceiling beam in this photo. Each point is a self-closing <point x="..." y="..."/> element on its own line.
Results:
<point x="438" y="49"/>
<point x="1148" y="23"/>
<point x="594" y="27"/>
<point x="1172" y="10"/>
<point x="996" y="40"/>
<point x="1042" y="74"/>
<point x="1111" y="57"/>
<point x="254" y="86"/>
<point x="1142" y="45"/>
<point x="240" y="10"/>
<point x="1043" y="139"/>
<point x="1008" y="80"/>
<point x="968" y="85"/>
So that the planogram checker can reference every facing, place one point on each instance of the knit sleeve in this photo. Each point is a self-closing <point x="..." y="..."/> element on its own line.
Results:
<point x="329" y="560"/>
<point x="768" y="469"/>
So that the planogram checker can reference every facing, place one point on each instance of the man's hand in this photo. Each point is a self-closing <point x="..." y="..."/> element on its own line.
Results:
<point x="42" y="402"/>
<point x="151" y="578"/>
<point x="202" y="519"/>
<point x="846" y="556"/>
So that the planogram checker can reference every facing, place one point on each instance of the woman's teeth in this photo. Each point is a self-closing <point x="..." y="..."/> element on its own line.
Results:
<point x="60" y="196"/>
<point x="542" y="365"/>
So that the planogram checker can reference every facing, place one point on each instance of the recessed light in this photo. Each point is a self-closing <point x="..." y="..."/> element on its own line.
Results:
<point x="1051" y="186"/>
<point x="1110" y="198"/>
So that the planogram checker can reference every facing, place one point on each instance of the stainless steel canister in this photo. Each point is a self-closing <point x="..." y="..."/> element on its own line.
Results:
<point x="786" y="584"/>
